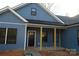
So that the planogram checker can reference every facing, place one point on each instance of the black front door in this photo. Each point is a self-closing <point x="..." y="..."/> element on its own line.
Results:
<point x="31" y="38"/>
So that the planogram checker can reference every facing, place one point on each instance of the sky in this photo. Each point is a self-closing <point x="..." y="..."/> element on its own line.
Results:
<point x="60" y="7"/>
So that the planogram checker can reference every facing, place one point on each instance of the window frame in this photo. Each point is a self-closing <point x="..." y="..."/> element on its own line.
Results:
<point x="33" y="13"/>
<point x="6" y="35"/>
<point x="7" y="42"/>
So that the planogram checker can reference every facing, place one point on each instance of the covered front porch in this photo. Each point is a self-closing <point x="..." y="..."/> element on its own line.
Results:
<point x="43" y="36"/>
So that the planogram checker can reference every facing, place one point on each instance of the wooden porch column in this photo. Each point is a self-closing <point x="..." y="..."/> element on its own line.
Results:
<point x="54" y="37"/>
<point x="40" y="38"/>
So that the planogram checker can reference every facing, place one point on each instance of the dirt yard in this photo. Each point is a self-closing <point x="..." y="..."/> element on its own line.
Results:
<point x="54" y="53"/>
<point x="58" y="53"/>
<point x="43" y="53"/>
<point x="11" y="53"/>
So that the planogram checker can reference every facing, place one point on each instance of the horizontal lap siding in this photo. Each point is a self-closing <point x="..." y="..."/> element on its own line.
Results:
<point x="10" y="17"/>
<point x="69" y="38"/>
<point x="12" y="20"/>
<point x="77" y="28"/>
<point x="20" y="37"/>
<point x="41" y="15"/>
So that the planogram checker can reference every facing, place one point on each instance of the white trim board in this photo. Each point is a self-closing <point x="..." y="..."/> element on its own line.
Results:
<point x="34" y="25"/>
<point x="43" y="25"/>
<point x="15" y="13"/>
<point x="50" y="13"/>
<point x="6" y="35"/>
<point x="12" y="23"/>
<point x="44" y="8"/>
<point x="25" y="37"/>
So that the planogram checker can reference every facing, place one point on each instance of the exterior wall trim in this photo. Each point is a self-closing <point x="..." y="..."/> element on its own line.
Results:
<point x="41" y="5"/>
<point x="15" y="13"/>
<point x="51" y="13"/>
<point x="71" y="25"/>
<point x="25" y="37"/>
<point x="43" y="25"/>
<point x="12" y="23"/>
<point x="37" y="25"/>
<point x="6" y="35"/>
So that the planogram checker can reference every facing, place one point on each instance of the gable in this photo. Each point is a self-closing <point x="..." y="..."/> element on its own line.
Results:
<point x="8" y="16"/>
<point x="42" y="15"/>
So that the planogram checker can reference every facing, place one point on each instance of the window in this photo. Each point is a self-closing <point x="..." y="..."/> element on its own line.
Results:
<point x="33" y="11"/>
<point x="2" y="35"/>
<point x="44" y="37"/>
<point x="11" y="36"/>
<point x="78" y="37"/>
<point x="8" y="36"/>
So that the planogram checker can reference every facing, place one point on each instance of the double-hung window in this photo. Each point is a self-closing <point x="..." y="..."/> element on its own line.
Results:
<point x="8" y="35"/>
<point x="2" y="35"/>
<point x="33" y="11"/>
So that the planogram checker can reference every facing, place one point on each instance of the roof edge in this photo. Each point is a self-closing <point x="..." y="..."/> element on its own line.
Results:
<point x="51" y="13"/>
<point x="23" y="4"/>
<point x="15" y="13"/>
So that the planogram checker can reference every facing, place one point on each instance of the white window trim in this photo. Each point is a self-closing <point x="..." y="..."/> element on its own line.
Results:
<point x="15" y="13"/>
<point x="6" y="35"/>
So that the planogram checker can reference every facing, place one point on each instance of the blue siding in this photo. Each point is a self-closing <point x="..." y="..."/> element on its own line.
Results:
<point x="57" y="38"/>
<point x="20" y="37"/>
<point x="77" y="28"/>
<point x="69" y="38"/>
<point x="38" y="38"/>
<point x="9" y="17"/>
<point x="50" y="38"/>
<point x="41" y="14"/>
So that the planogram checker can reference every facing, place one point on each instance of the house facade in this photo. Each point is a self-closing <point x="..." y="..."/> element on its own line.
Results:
<point x="32" y="25"/>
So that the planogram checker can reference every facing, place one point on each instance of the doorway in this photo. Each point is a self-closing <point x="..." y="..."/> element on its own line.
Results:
<point x="31" y="38"/>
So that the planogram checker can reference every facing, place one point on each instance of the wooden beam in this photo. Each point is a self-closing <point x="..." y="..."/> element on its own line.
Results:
<point x="40" y="38"/>
<point x="54" y="37"/>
